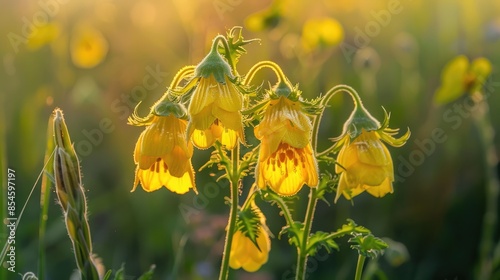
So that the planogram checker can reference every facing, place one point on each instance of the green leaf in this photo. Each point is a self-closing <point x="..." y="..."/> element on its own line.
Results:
<point x="368" y="245"/>
<point x="295" y="233"/>
<point x="148" y="275"/>
<point x="248" y="160"/>
<point x="107" y="276"/>
<point x="327" y="185"/>
<point x="248" y="223"/>
<point x="120" y="273"/>
<point x="452" y="80"/>
<point x="236" y="42"/>
<point x="321" y="239"/>
<point x="350" y="228"/>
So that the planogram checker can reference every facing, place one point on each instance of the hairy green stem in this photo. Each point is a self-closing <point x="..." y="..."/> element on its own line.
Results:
<point x="265" y="64"/>
<point x="302" y="253"/>
<point x="215" y="46"/>
<point x="359" y="267"/>
<point x="234" y="179"/>
<point x="334" y="90"/>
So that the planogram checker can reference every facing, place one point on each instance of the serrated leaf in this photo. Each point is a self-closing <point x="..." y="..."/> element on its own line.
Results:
<point x="295" y="233"/>
<point x="327" y="185"/>
<point x="350" y="228"/>
<point x="248" y="223"/>
<point x="321" y="239"/>
<point x="368" y="245"/>
<point x="236" y="42"/>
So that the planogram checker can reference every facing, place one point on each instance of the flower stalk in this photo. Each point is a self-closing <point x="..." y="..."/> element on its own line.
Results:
<point x="234" y="180"/>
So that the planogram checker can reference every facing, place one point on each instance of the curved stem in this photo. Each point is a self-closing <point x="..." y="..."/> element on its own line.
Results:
<point x="251" y="194"/>
<point x="284" y="208"/>
<point x="359" y="267"/>
<point x="181" y="74"/>
<point x="234" y="182"/>
<point x="317" y="119"/>
<point x="265" y="64"/>
<point x="215" y="47"/>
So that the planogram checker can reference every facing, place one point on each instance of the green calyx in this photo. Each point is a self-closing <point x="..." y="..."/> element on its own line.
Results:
<point x="360" y="120"/>
<point x="284" y="89"/>
<point x="214" y="64"/>
<point x="166" y="108"/>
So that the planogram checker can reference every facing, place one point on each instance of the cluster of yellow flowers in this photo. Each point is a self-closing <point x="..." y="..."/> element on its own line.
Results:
<point x="220" y="104"/>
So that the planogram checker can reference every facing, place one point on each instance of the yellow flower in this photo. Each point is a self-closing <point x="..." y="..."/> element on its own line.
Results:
<point x="88" y="47"/>
<point x="318" y="32"/>
<point x="244" y="253"/>
<point x="215" y="105"/>
<point x="43" y="35"/>
<point x="459" y="76"/>
<point x="163" y="156"/>
<point x="364" y="163"/>
<point x="286" y="161"/>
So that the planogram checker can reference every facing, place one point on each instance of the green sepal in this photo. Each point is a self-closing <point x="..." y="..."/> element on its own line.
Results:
<point x="214" y="64"/>
<point x="359" y="120"/>
<point x="166" y="108"/>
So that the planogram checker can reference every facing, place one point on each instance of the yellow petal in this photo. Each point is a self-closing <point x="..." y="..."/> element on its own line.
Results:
<point x="204" y="119"/>
<point x="287" y="170"/>
<point x="231" y="120"/>
<point x="203" y="139"/>
<point x="371" y="152"/>
<point x="382" y="189"/>
<point x="228" y="97"/>
<point x="203" y="95"/>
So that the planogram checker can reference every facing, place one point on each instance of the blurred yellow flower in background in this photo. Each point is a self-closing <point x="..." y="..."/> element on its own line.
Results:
<point x="286" y="161"/>
<point x="215" y="113"/>
<point x="244" y="253"/>
<point x="43" y="35"/>
<point x="460" y="76"/>
<point x="163" y="156"/>
<point x="321" y="32"/>
<point x="88" y="47"/>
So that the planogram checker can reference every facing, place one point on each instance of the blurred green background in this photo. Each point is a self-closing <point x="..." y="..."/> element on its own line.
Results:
<point x="97" y="59"/>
